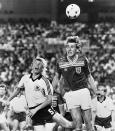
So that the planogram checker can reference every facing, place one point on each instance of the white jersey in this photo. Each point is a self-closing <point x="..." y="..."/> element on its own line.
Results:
<point x="18" y="104"/>
<point x="103" y="109"/>
<point x="35" y="91"/>
<point x="2" y="112"/>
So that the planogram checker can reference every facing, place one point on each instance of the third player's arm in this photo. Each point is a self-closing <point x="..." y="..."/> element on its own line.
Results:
<point x="91" y="83"/>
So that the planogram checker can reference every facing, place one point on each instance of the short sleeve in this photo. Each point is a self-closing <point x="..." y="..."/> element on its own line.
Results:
<point x="49" y="90"/>
<point x="111" y="105"/>
<point x="86" y="67"/>
<point x="21" y="82"/>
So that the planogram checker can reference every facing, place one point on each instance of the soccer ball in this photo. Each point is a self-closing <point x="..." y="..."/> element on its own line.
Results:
<point x="72" y="11"/>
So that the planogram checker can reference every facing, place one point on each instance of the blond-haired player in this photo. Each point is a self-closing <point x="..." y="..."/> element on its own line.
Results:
<point x="38" y="92"/>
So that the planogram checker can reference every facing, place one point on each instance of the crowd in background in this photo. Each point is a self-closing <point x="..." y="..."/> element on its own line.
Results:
<point x="22" y="41"/>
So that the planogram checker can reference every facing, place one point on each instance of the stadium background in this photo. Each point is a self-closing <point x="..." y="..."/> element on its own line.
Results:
<point x="32" y="27"/>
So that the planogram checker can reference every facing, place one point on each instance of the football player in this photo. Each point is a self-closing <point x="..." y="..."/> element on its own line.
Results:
<point x="39" y="92"/>
<point x="103" y="110"/>
<point x="74" y="67"/>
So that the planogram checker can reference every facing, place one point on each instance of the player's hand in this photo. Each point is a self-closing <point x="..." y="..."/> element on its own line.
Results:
<point x="92" y="93"/>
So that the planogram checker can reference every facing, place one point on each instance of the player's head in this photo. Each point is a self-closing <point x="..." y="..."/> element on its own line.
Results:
<point x="73" y="45"/>
<point x="101" y="90"/>
<point x="2" y="89"/>
<point x="38" y="65"/>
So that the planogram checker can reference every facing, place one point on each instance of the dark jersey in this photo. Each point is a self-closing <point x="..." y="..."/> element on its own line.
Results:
<point x="74" y="73"/>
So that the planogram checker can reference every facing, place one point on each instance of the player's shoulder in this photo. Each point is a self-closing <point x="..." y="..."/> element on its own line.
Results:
<point x="26" y="76"/>
<point x="109" y="99"/>
<point x="82" y="56"/>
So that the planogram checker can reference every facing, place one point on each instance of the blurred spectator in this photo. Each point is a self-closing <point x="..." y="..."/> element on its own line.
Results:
<point x="22" y="41"/>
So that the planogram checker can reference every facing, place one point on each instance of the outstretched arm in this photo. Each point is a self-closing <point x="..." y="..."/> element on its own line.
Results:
<point x="91" y="84"/>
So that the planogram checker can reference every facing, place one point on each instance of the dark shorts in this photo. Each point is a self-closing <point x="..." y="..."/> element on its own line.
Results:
<point x="104" y="122"/>
<point x="68" y="116"/>
<point x="43" y="116"/>
<point x="19" y="116"/>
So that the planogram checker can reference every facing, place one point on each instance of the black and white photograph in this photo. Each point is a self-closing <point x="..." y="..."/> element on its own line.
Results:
<point x="57" y="65"/>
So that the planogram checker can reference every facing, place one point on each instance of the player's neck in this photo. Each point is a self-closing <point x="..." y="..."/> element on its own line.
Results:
<point x="72" y="58"/>
<point x="35" y="76"/>
<point x="102" y="98"/>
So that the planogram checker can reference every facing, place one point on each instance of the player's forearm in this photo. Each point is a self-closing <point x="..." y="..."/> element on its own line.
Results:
<point x="55" y="81"/>
<point x="93" y="117"/>
<point x="91" y="82"/>
<point x="61" y="109"/>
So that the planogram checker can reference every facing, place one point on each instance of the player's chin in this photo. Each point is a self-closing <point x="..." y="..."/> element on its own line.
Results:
<point x="70" y="54"/>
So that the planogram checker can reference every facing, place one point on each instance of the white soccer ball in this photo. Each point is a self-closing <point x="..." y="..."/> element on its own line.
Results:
<point x="72" y="11"/>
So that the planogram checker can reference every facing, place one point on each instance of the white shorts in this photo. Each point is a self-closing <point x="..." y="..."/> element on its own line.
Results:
<point x="79" y="98"/>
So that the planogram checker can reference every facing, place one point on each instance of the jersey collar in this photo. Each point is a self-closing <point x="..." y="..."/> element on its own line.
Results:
<point x="74" y="60"/>
<point x="38" y="78"/>
<point x="101" y="101"/>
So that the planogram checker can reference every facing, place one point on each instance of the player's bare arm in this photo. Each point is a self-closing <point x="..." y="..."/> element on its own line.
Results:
<point x="55" y="81"/>
<point x="91" y="83"/>
<point x="93" y="117"/>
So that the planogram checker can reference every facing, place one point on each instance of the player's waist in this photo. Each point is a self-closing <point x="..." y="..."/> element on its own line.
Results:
<point x="19" y="112"/>
<point x="103" y="115"/>
<point x="75" y="88"/>
<point x="33" y="107"/>
<point x="34" y="102"/>
<point x="78" y="85"/>
<point x="103" y="118"/>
